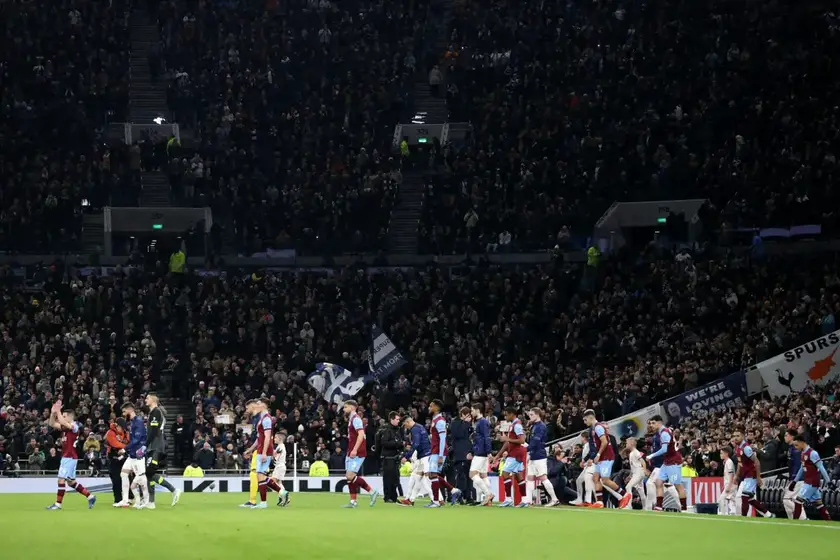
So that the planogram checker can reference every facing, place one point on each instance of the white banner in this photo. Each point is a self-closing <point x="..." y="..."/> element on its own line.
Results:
<point x="812" y="363"/>
<point x="629" y="425"/>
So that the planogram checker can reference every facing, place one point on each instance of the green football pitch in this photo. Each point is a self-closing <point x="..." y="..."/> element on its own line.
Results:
<point x="314" y="526"/>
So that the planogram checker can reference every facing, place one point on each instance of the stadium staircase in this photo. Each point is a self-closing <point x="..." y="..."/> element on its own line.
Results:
<point x="147" y="101"/>
<point x="402" y="233"/>
<point x="93" y="233"/>
<point x="174" y="408"/>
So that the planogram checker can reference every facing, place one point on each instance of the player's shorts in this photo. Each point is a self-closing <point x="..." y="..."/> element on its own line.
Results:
<point x="136" y="466"/>
<point x="263" y="464"/>
<point x="353" y="464"/>
<point x="672" y="474"/>
<point x="513" y="466"/>
<point x="420" y="466"/>
<point x="155" y="463"/>
<point x="254" y="462"/>
<point x="604" y="468"/>
<point x="279" y="472"/>
<point x="434" y="466"/>
<point x="538" y="467"/>
<point x="809" y="493"/>
<point x="67" y="468"/>
<point x="748" y="486"/>
<point x="479" y="465"/>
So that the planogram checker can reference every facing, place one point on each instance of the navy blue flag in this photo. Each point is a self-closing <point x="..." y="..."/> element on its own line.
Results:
<point x="337" y="384"/>
<point x="714" y="398"/>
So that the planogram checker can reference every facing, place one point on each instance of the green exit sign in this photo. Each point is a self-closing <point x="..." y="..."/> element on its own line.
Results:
<point x="157" y="226"/>
<point x="661" y="220"/>
<point x="422" y="140"/>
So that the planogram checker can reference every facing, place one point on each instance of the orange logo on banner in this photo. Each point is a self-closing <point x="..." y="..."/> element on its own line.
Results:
<point x="822" y="367"/>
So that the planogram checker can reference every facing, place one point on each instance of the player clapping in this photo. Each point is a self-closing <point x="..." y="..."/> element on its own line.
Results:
<point x="69" y="456"/>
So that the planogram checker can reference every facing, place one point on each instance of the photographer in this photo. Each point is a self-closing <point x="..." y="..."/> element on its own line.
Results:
<point x="558" y="474"/>
<point x="389" y="444"/>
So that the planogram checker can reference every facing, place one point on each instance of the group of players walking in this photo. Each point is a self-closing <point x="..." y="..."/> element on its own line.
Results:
<point x="142" y="456"/>
<point x="652" y="476"/>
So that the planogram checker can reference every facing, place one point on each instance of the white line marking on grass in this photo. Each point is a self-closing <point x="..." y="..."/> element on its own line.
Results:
<point x="702" y="517"/>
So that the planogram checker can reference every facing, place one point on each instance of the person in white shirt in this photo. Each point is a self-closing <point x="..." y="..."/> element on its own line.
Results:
<point x="637" y="469"/>
<point x="726" y="501"/>
<point x="280" y="466"/>
<point x="585" y="482"/>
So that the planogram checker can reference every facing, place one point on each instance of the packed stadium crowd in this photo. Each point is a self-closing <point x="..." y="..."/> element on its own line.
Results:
<point x="577" y="105"/>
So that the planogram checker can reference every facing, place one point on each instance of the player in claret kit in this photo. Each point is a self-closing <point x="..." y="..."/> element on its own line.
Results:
<point x="69" y="456"/>
<point x="356" y="453"/>
<point x="439" y="453"/>
<point x="599" y="439"/>
<point x="670" y="473"/>
<point x="810" y="471"/>
<point x="537" y="460"/>
<point x="514" y="445"/>
<point x="749" y="474"/>
<point x="264" y="450"/>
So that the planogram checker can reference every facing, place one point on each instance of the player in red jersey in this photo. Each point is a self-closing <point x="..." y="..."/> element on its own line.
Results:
<point x="514" y="469"/>
<point x="670" y="473"/>
<point x="599" y="440"/>
<point x="749" y="473"/>
<point x="438" y="456"/>
<point x="69" y="456"/>
<point x="810" y="472"/>
<point x="265" y="451"/>
<point x="356" y="453"/>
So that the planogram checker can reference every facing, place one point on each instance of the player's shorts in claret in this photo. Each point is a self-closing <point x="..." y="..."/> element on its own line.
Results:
<point x="672" y="474"/>
<point x="353" y="464"/>
<point x="810" y="493"/>
<point x="254" y="462"/>
<point x="279" y="473"/>
<point x="604" y="468"/>
<point x="748" y="486"/>
<point x="513" y="466"/>
<point x="434" y="466"/>
<point x="263" y="464"/>
<point x="67" y="468"/>
<point x="479" y="465"/>
<point x="136" y="466"/>
<point x="420" y="466"/>
<point x="538" y="467"/>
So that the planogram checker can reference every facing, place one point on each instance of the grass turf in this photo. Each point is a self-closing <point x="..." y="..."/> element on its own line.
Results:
<point x="314" y="526"/>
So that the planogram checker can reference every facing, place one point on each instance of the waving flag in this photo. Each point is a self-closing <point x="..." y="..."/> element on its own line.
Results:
<point x="337" y="384"/>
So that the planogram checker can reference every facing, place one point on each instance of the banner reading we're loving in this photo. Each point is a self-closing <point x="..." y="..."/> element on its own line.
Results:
<point x="715" y="397"/>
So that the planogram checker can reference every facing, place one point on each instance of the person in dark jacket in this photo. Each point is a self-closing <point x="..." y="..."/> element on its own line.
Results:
<point x="389" y="444"/>
<point x="558" y="474"/>
<point x="205" y="457"/>
<point x="459" y="432"/>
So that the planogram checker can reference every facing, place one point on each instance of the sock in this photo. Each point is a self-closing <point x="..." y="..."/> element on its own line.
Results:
<point x="272" y="484"/>
<point x="59" y="496"/>
<point x="530" y="487"/>
<point x="165" y="483"/>
<point x="824" y="515"/>
<point x="77" y="486"/>
<point x="745" y="506"/>
<point x="362" y="483"/>
<point x="797" y="510"/>
<point x="152" y="492"/>
<point x="263" y="489"/>
<point x="354" y="490"/>
<point x="415" y="484"/>
<point x="508" y="489"/>
<point x="426" y="486"/>
<point x="617" y="493"/>
<point x="444" y="483"/>
<point x="252" y="496"/>
<point x="659" y="500"/>
<point x="589" y="488"/>
<point x="124" y="480"/>
<point x="523" y="491"/>
<point x="435" y="490"/>
<point x="142" y="488"/>
<point x="683" y="504"/>
<point x="759" y="507"/>
<point x="549" y="487"/>
<point x="479" y="488"/>
<point x="599" y="497"/>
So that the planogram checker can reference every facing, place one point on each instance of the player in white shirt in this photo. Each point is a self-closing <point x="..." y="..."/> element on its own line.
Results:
<point x="637" y="470"/>
<point x="726" y="501"/>
<point x="279" y="472"/>
<point x="585" y="481"/>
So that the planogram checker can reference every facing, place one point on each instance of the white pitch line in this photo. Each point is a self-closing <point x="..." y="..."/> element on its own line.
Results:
<point x="703" y="517"/>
